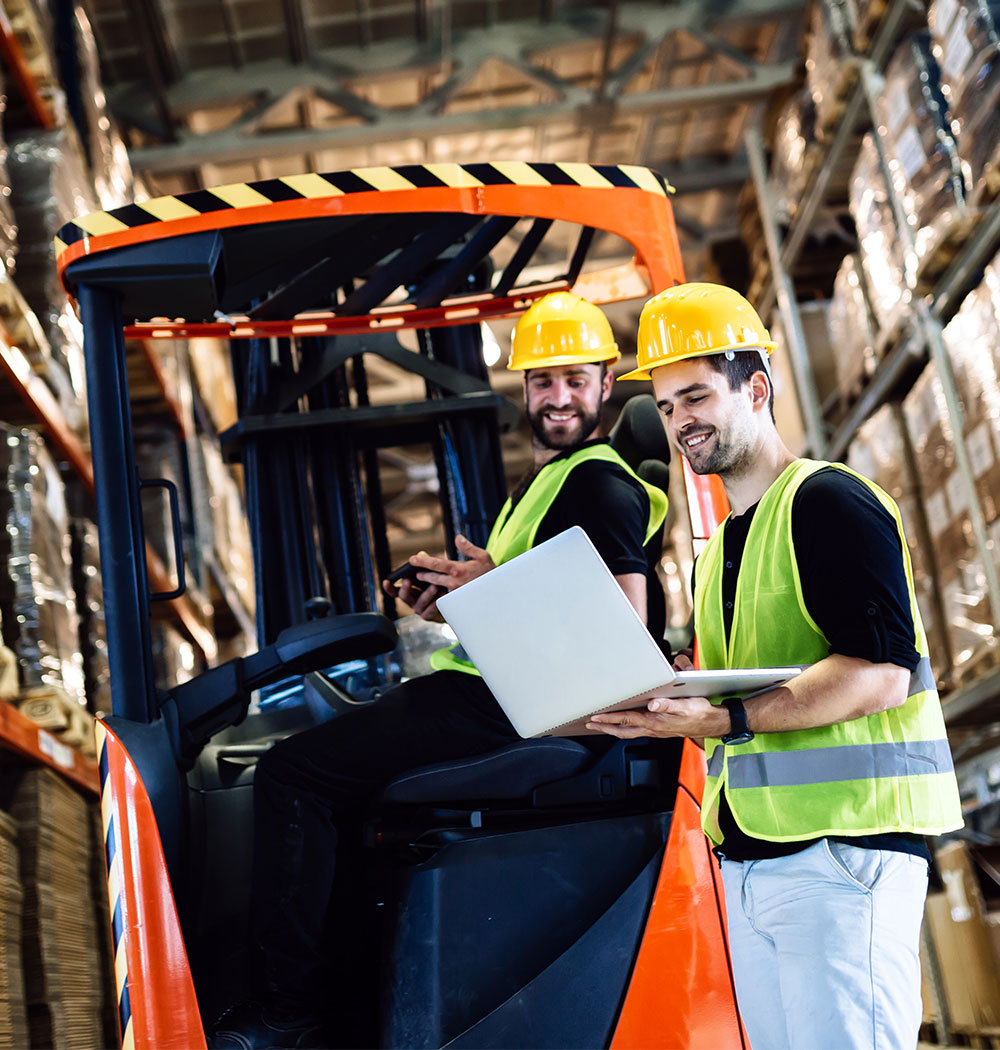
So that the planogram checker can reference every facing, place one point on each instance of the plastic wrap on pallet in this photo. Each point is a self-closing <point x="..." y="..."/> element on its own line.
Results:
<point x="881" y="451"/>
<point x="965" y="33"/>
<point x="971" y="341"/>
<point x="36" y="592"/>
<point x="966" y="41"/>
<point x="86" y="557"/>
<point x="107" y="152"/>
<point x="852" y="327"/>
<point x="50" y="186"/>
<point x="881" y="254"/>
<point x="794" y="135"/>
<point x="828" y="77"/>
<point x="961" y="575"/>
<point x="921" y="151"/>
<point x="8" y="222"/>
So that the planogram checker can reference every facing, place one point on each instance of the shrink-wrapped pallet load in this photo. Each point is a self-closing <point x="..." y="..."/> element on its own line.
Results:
<point x="878" y="239"/>
<point x="852" y="328"/>
<point x="828" y="77"/>
<point x="86" y="558"/>
<point x="961" y="569"/>
<point x="966" y="40"/>
<point x="50" y="186"/>
<point x="927" y="173"/>
<point x="37" y="604"/>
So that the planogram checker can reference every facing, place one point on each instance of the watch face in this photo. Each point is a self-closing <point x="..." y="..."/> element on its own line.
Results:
<point x="738" y="738"/>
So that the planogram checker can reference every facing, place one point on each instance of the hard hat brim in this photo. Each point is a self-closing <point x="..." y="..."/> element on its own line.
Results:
<point x="646" y="373"/>
<point x="609" y="358"/>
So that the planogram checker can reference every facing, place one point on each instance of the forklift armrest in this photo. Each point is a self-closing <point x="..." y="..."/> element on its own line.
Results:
<point x="220" y="697"/>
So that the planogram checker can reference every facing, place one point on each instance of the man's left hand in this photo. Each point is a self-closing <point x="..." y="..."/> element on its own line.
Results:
<point x="690" y="716"/>
<point x="449" y="574"/>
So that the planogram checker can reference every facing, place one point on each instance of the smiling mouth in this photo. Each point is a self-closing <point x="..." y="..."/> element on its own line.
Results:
<point x="560" y="417"/>
<point x="695" y="441"/>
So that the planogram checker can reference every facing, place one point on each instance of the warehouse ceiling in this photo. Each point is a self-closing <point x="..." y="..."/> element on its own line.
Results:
<point x="216" y="91"/>
<point x="208" y="92"/>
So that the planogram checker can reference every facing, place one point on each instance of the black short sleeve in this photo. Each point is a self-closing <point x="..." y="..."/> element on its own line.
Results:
<point x="610" y="506"/>
<point x="850" y="561"/>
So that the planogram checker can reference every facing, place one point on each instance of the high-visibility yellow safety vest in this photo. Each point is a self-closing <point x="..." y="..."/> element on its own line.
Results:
<point x="889" y="772"/>
<point x="514" y="530"/>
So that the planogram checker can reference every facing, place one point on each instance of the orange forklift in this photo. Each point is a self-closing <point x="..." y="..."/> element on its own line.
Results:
<point x="554" y="894"/>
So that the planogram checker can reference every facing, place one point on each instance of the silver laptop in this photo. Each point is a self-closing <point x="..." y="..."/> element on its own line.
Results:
<point x="557" y="640"/>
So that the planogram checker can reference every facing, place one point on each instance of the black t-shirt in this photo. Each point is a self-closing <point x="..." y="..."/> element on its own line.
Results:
<point x="854" y="585"/>
<point x="613" y="509"/>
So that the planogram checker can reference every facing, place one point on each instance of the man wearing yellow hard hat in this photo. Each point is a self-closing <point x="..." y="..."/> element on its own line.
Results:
<point x="818" y="793"/>
<point x="308" y="785"/>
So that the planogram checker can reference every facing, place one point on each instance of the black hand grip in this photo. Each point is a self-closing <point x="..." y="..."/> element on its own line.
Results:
<point x="175" y="525"/>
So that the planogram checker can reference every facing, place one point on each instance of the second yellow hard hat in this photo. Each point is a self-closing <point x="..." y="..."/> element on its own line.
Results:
<point x="696" y="320"/>
<point x="561" y="329"/>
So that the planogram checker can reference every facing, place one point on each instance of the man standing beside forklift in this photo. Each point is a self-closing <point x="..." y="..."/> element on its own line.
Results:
<point x="818" y="793"/>
<point x="309" y="785"/>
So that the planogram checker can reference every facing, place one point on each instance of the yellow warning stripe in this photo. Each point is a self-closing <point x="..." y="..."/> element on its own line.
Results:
<point x="334" y="184"/>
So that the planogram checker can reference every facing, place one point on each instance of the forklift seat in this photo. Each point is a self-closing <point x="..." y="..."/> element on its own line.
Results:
<point x="513" y="772"/>
<point x="557" y="771"/>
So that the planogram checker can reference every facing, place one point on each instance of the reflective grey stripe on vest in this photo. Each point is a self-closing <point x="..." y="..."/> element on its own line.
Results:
<point x="922" y="679"/>
<point x="458" y="651"/>
<point x="828" y="765"/>
<point x="715" y="762"/>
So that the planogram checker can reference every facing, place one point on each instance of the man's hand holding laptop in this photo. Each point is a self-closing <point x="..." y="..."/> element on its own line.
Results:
<point x="693" y="716"/>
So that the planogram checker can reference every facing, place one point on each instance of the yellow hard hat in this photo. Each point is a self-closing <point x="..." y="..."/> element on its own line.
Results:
<point x="696" y="320"/>
<point x="561" y="329"/>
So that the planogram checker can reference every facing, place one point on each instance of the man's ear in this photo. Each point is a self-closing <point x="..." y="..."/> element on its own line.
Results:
<point x="607" y="385"/>
<point x="760" y="390"/>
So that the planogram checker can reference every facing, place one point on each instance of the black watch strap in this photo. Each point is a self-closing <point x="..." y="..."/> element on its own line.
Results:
<point x="739" y="728"/>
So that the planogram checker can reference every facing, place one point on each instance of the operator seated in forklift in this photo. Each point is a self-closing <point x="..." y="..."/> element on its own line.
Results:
<point x="310" y="785"/>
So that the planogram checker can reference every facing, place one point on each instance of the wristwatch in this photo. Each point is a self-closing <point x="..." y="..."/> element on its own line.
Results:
<point x="739" y="729"/>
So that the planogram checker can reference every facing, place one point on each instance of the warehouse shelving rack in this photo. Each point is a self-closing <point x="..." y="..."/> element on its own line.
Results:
<point x="18" y="733"/>
<point x="920" y="340"/>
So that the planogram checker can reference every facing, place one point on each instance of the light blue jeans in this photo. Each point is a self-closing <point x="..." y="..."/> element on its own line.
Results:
<point x="825" y="947"/>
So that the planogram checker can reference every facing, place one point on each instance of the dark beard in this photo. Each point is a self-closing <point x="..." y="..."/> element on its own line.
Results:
<point x="588" y="424"/>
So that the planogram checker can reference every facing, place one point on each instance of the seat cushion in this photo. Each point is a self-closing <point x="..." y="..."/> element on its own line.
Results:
<point x="510" y="773"/>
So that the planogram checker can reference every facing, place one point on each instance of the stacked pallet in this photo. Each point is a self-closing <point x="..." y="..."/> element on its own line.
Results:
<point x="36" y="591"/>
<point x="966" y="36"/>
<point x="13" y="1011"/>
<point x="64" y="971"/>
<point x="853" y="329"/>
<point x="881" y="255"/>
<point x="922" y="154"/>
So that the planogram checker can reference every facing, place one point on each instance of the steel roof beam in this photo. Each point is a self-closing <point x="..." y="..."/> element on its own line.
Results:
<point x="193" y="150"/>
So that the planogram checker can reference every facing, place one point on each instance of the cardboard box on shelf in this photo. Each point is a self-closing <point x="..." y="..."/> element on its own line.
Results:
<point x="882" y="452"/>
<point x="961" y="573"/>
<point x="965" y="959"/>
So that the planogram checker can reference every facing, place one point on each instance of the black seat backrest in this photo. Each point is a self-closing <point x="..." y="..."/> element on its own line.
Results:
<point x="639" y="437"/>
